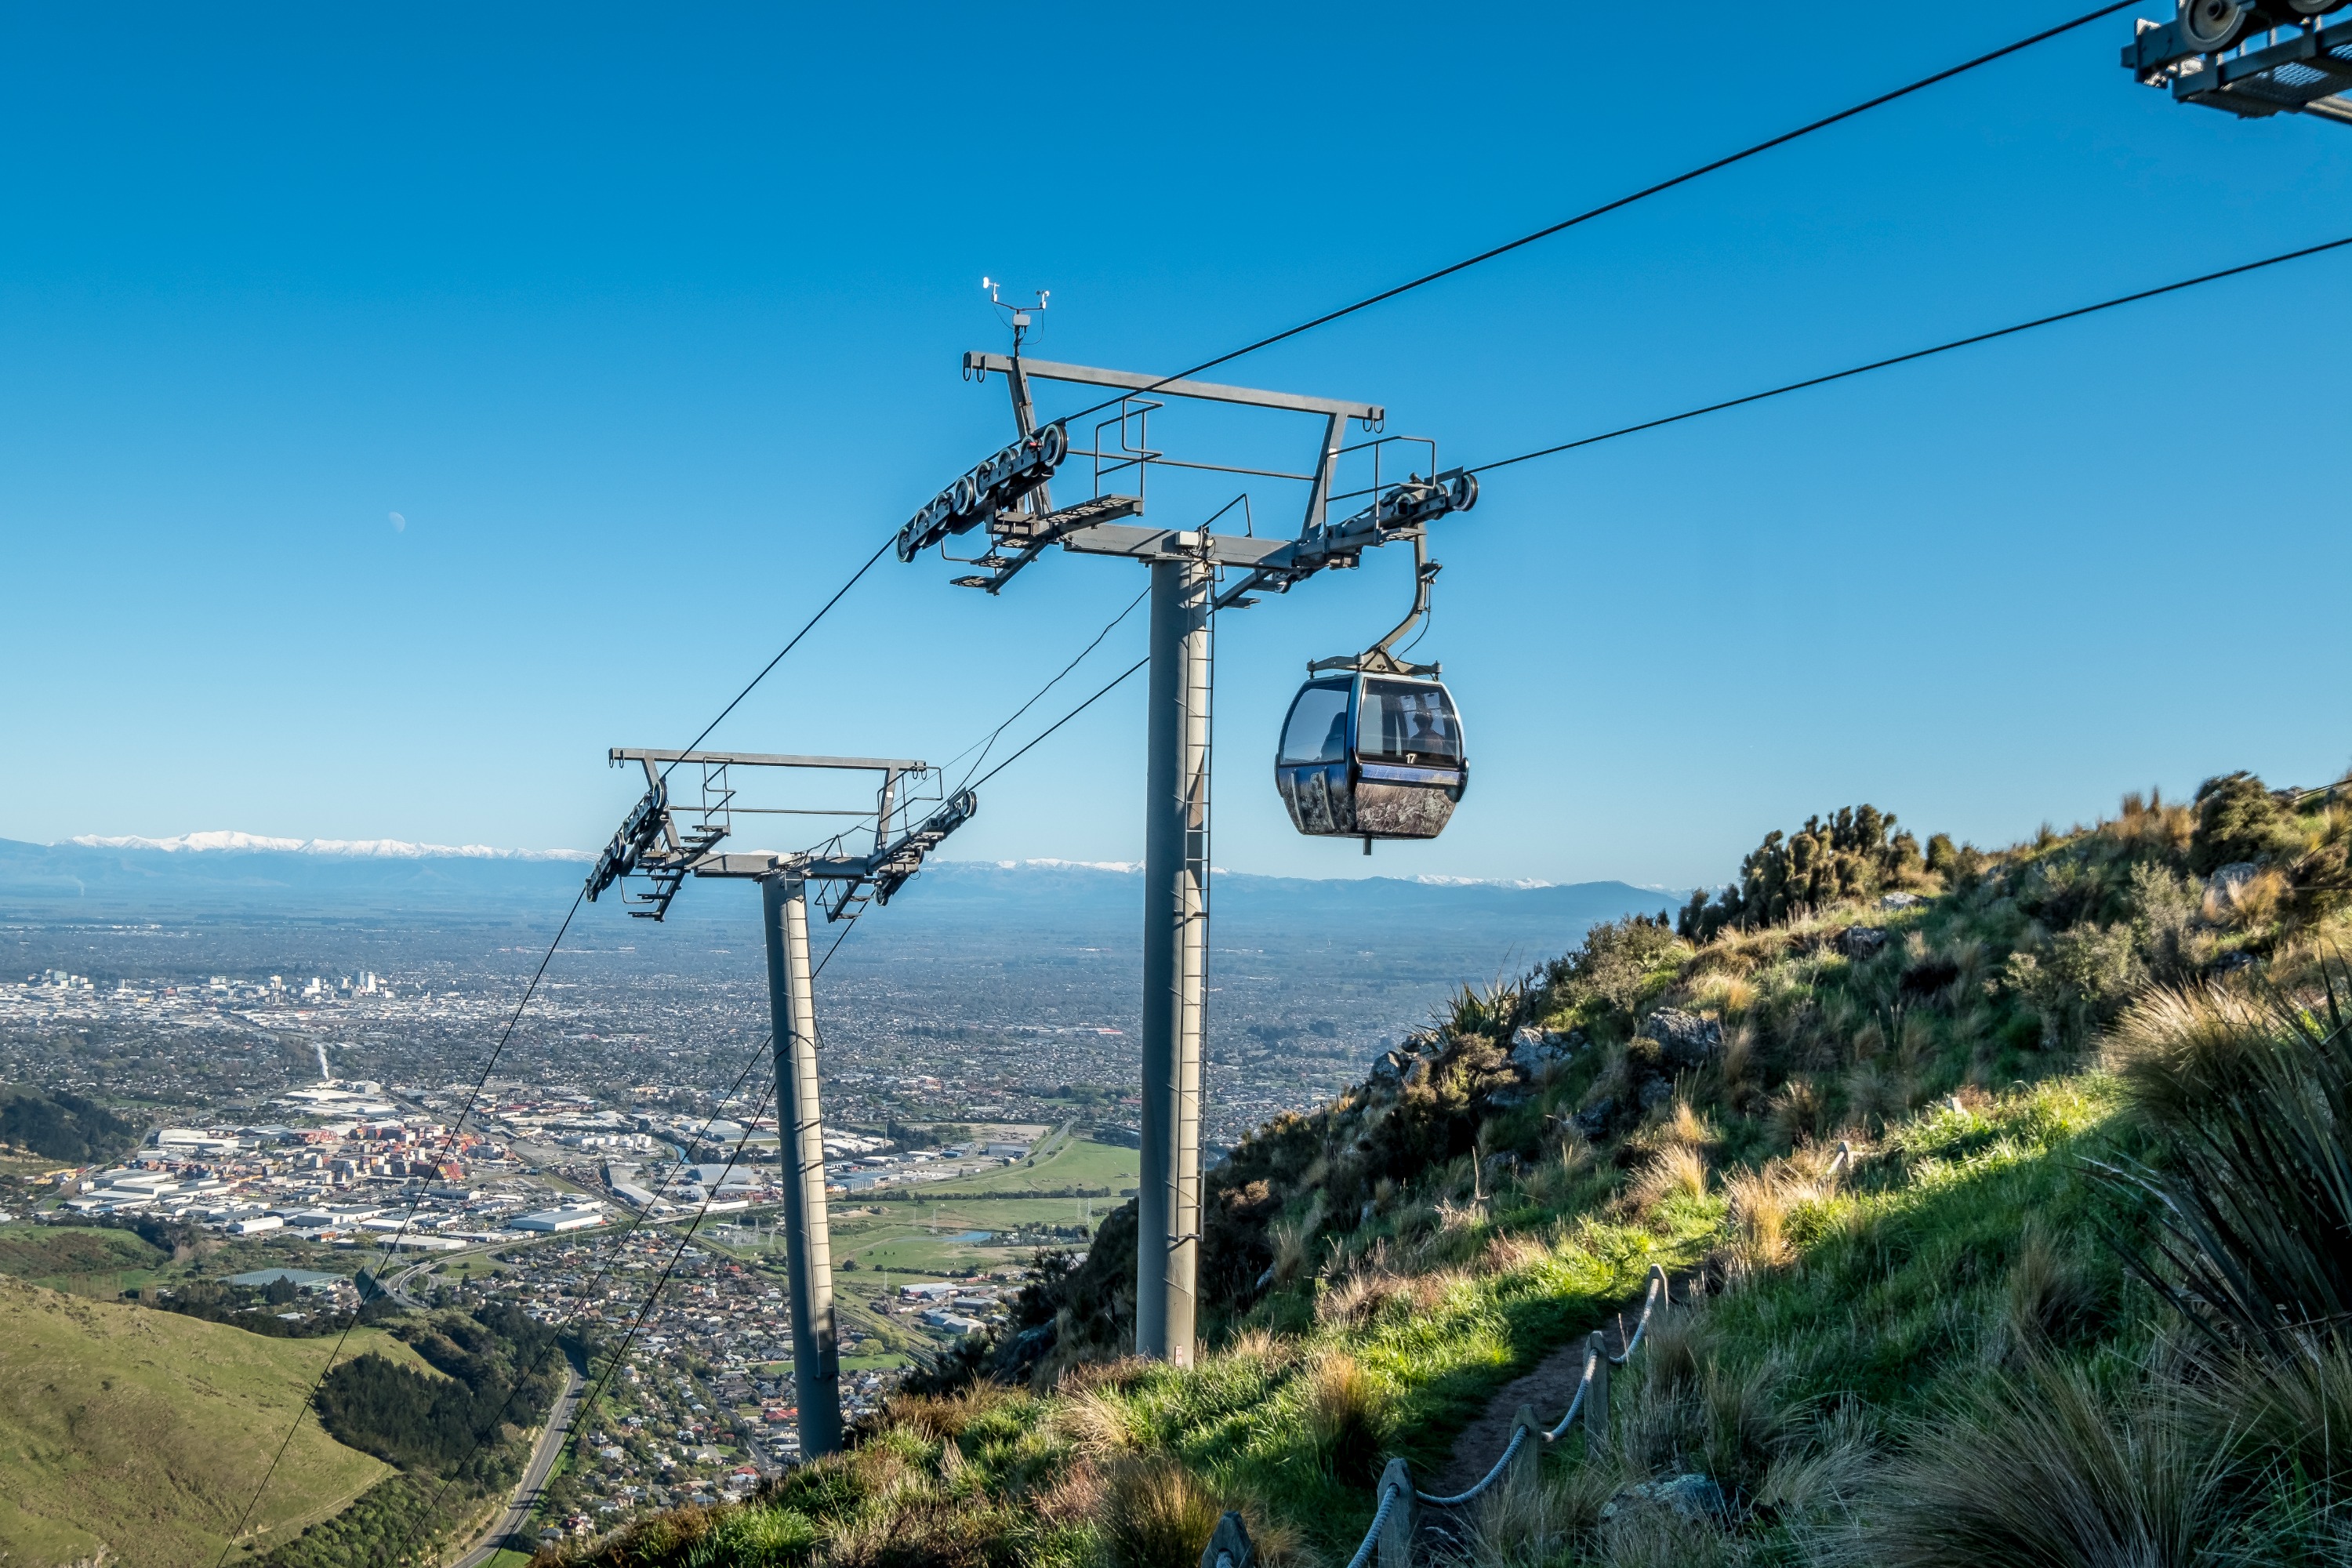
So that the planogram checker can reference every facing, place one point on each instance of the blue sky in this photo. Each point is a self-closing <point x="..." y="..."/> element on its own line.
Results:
<point x="648" y="328"/>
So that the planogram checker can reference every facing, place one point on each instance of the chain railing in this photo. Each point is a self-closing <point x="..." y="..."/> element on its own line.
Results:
<point x="1390" y="1539"/>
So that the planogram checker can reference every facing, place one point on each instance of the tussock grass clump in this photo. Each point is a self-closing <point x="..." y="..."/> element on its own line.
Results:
<point x="1155" y="1514"/>
<point x="1679" y="1169"/>
<point x="2049" y="1469"/>
<point x="1345" y="1412"/>
<point x="2050" y="1294"/>
<point x="2251" y="1232"/>
<point x="1525" y="1525"/>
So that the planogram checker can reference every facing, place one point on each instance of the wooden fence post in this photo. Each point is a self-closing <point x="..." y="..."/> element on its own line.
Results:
<point x="1396" y="1535"/>
<point x="1229" y="1545"/>
<point x="1527" y="1464"/>
<point x="1596" y="1398"/>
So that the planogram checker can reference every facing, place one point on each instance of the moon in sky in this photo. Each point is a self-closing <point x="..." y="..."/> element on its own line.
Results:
<point x="399" y="523"/>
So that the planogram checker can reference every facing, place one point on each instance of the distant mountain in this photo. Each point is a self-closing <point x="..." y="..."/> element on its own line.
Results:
<point x="1059" y="892"/>
<point x="365" y="849"/>
<point x="243" y="875"/>
<point x="238" y="875"/>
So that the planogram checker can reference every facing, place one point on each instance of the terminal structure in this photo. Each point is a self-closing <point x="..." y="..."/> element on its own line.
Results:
<point x="1009" y="499"/>
<point x="2253" y="58"/>
<point x="664" y="840"/>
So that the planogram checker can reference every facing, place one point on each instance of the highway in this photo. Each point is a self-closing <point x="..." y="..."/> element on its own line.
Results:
<point x="516" y="1516"/>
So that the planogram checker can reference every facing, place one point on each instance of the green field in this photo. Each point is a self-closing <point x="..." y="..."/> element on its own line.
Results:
<point x="143" y="1433"/>
<point x="913" y="1232"/>
<point x="78" y="1259"/>
<point x="1060" y="1162"/>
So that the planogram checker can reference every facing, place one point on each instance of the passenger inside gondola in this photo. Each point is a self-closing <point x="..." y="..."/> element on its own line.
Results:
<point x="1414" y="720"/>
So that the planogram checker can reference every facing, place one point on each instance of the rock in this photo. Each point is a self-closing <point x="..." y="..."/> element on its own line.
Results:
<point x="1684" y="1039"/>
<point x="1388" y="1069"/>
<point x="1693" y="1497"/>
<point x="1532" y="1049"/>
<point x="1593" y="1119"/>
<point x="1900" y="900"/>
<point x="1655" y="1091"/>
<point x="2230" y="963"/>
<point x="1859" y="943"/>
<point x="2227" y="880"/>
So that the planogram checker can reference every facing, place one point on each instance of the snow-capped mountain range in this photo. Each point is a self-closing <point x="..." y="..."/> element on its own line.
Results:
<point x="358" y="849"/>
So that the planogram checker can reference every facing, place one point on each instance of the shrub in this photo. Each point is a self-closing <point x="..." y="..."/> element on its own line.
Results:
<point x="1852" y="854"/>
<point x="2238" y="819"/>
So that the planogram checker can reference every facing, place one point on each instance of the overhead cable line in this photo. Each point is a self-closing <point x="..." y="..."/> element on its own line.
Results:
<point x="1108" y="627"/>
<point x="1058" y="724"/>
<point x="620" y="1353"/>
<point x="1625" y="201"/>
<point x="806" y="627"/>
<point x="619" y="1244"/>
<point x="636" y="1221"/>
<point x="1970" y="341"/>
<point x="456" y="1128"/>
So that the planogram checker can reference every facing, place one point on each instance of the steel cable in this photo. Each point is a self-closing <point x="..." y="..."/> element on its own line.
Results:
<point x="1625" y="201"/>
<point x="806" y="627"/>
<point x="590" y="1297"/>
<point x="1968" y="341"/>
<point x="1099" y="694"/>
<point x="983" y="746"/>
<point x="456" y="1128"/>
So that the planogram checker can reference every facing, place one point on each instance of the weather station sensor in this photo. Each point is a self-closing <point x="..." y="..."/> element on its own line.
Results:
<point x="1387" y="759"/>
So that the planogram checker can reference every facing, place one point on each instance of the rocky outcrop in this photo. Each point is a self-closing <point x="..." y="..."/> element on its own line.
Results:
<point x="1684" y="1039"/>
<point x="1533" y="1049"/>
<point x="1859" y="943"/>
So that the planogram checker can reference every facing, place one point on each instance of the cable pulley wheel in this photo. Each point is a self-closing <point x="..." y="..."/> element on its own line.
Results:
<point x="2211" y="25"/>
<point x="1053" y="446"/>
<point x="2312" y="7"/>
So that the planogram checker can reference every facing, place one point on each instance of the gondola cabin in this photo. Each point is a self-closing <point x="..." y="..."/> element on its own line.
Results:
<point x="1371" y="756"/>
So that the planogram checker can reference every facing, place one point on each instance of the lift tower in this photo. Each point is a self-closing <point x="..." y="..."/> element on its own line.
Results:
<point x="1009" y="495"/>
<point x="663" y="841"/>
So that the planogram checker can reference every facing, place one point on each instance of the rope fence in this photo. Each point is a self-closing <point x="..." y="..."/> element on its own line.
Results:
<point x="1389" y="1540"/>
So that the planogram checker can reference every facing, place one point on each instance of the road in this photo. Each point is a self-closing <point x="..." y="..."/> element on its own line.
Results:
<point x="516" y="1516"/>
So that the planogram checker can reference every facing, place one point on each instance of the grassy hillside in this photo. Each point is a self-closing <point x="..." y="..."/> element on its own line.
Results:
<point x="2073" y="1297"/>
<point x="145" y="1432"/>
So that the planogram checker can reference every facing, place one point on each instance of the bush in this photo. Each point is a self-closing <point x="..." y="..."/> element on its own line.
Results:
<point x="1853" y="853"/>
<point x="2238" y="819"/>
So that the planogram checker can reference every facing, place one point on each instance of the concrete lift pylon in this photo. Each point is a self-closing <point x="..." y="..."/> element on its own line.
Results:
<point x="654" y="844"/>
<point x="1009" y="495"/>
